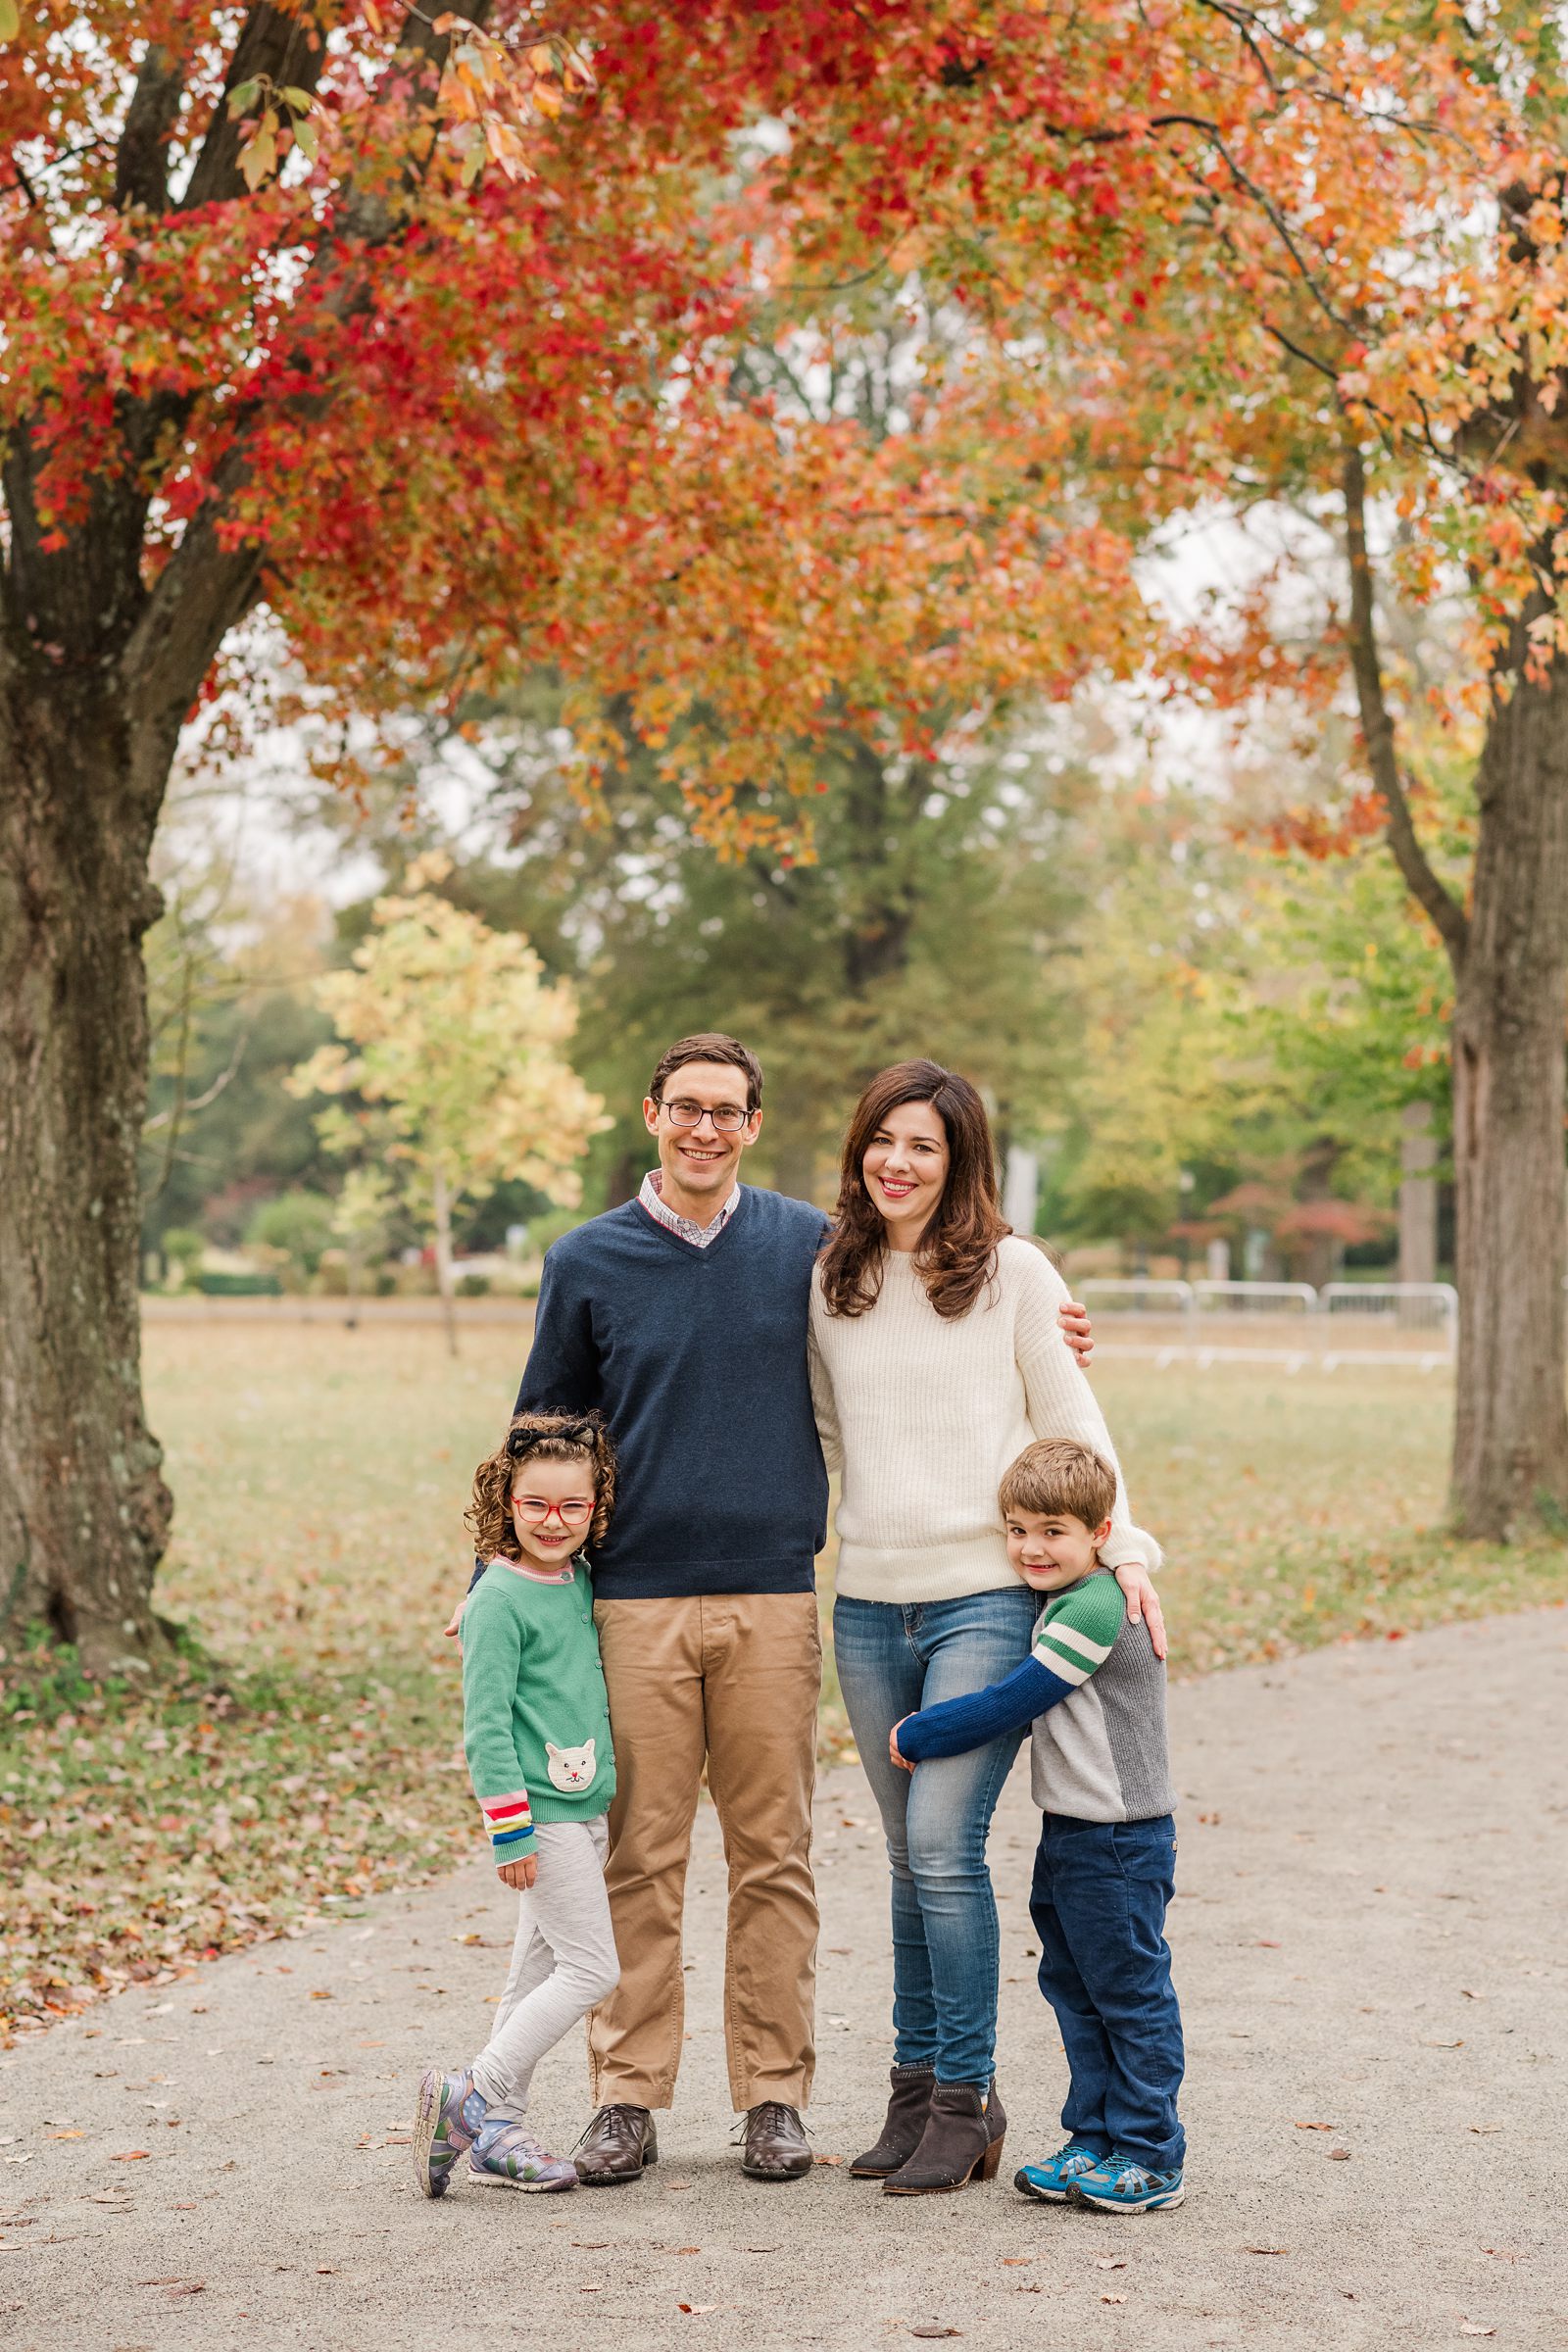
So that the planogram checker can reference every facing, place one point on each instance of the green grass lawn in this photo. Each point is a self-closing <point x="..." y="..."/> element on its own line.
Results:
<point x="306" y="1753"/>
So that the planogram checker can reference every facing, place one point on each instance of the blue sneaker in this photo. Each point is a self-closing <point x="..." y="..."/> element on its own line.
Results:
<point x="1119" y="2183"/>
<point x="446" y="2124"/>
<point x="1048" y="2180"/>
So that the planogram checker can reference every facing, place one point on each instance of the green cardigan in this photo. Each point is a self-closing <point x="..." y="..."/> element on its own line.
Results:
<point x="535" y="1715"/>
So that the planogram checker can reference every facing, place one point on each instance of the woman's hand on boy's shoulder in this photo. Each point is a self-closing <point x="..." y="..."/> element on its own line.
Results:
<point x="1138" y="1589"/>
<point x="903" y="1762"/>
<point x="453" y="1629"/>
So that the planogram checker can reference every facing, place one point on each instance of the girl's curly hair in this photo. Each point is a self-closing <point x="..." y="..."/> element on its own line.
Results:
<point x="540" y="1438"/>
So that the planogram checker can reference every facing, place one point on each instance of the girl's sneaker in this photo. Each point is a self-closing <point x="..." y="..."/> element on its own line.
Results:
<point x="1048" y="2180"/>
<point x="446" y="2121"/>
<point x="509" y="2152"/>
<point x="1119" y="2183"/>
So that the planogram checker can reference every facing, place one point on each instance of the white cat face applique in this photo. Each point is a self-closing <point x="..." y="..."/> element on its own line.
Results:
<point x="570" y="1768"/>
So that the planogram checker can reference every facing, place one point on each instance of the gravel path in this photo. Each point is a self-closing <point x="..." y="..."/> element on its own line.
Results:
<point x="1369" y="1941"/>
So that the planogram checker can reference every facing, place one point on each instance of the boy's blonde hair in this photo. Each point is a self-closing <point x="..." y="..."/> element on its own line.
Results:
<point x="540" y="1438"/>
<point x="1061" y="1479"/>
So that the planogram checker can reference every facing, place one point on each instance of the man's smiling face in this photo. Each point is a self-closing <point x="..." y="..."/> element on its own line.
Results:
<point x="698" y="1160"/>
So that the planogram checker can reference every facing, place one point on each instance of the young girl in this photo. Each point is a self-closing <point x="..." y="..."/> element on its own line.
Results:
<point x="536" y="1733"/>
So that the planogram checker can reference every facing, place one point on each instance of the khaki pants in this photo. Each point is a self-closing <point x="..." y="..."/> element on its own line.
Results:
<point x="734" y="1679"/>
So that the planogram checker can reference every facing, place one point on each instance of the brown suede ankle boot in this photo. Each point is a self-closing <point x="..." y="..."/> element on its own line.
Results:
<point x="908" y="2109"/>
<point x="961" y="2141"/>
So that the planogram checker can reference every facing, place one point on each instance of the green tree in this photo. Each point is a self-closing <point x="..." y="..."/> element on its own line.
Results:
<point x="453" y="1046"/>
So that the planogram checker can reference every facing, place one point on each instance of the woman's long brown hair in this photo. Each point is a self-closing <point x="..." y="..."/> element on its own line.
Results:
<point x="957" y="1249"/>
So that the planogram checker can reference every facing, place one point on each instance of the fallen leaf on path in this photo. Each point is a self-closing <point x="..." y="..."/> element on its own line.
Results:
<point x="1317" y="2127"/>
<point x="697" y="2310"/>
<point x="326" y="2270"/>
<point x="1012" y="2261"/>
<point x="1471" y="1996"/>
<point x="1266" y="1943"/>
<point x="677" y="2184"/>
<point x="1506" y="2253"/>
<point x="68" y="2134"/>
<point x="1471" y="2327"/>
<point x="936" y="2330"/>
<point x="1338" y="2155"/>
<point x="688" y="2249"/>
<point x="130" y="2156"/>
<point x="1111" y="2262"/>
<point x="321" y="1996"/>
<point x="190" y="2286"/>
<point x="1265" y="2249"/>
<point x="590" y="2245"/>
<point x="1112" y="2298"/>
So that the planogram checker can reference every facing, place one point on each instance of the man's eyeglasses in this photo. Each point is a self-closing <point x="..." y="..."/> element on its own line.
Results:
<point x="533" y="1512"/>
<point x="728" y="1118"/>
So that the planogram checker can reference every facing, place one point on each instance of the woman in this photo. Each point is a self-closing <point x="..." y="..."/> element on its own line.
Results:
<point x="936" y="1357"/>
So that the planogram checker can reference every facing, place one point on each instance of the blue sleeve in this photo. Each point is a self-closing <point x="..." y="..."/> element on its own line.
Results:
<point x="562" y="1367"/>
<point x="956" y="1723"/>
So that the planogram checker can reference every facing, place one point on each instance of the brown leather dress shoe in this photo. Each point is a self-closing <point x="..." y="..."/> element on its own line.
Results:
<point x="618" y="2145"/>
<point x="776" y="2145"/>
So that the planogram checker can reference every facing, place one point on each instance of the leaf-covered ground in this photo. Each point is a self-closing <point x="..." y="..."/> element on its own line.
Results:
<point x="305" y="1752"/>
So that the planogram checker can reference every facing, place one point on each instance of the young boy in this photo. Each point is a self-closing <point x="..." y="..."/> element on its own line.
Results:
<point x="1096" y="1694"/>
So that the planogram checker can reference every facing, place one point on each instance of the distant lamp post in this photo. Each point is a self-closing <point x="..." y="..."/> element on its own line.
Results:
<point x="1185" y="1183"/>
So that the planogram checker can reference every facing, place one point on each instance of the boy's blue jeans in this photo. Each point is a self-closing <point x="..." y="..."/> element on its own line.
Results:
<point x="894" y="1657"/>
<point x="1099" y="1900"/>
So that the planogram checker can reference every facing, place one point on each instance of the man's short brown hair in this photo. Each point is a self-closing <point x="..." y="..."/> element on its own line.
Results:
<point x="1060" y="1480"/>
<point x="709" y="1045"/>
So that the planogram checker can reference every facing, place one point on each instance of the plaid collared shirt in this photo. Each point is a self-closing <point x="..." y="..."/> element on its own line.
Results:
<point x="651" y="1198"/>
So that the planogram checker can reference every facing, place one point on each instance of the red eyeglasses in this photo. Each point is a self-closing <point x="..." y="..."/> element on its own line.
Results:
<point x="533" y="1511"/>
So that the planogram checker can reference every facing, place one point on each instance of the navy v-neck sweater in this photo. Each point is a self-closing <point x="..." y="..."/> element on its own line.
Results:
<point x="697" y="1359"/>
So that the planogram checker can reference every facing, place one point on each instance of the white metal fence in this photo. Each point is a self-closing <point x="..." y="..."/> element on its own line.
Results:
<point x="1289" y="1323"/>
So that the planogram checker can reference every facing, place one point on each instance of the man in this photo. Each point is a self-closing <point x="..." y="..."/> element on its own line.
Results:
<point x="682" y="1317"/>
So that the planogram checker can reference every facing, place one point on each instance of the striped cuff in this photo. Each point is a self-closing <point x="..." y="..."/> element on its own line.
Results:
<point x="510" y="1823"/>
<point x="1065" y="1651"/>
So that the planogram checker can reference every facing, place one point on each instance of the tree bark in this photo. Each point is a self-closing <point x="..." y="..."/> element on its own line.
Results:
<point x="441" y="1203"/>
<point x="1511" y="1425"/>
<point x="83" y="1510"/>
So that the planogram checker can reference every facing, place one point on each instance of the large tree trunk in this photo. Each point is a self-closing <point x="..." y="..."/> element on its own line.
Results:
<point x="84" y="1511"/>
<point x="1511" y="1426"/>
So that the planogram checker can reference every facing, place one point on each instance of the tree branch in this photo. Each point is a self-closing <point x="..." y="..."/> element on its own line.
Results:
<point x="205" y="588"/>
<point x="288" y="50"/>
<point x="141" y="163"/>
<point x="1422" y="880"/>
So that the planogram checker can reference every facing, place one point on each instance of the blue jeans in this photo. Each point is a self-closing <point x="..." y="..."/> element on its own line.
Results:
<point x="1099" y="1900"/>
<point x="892" y="1658"/>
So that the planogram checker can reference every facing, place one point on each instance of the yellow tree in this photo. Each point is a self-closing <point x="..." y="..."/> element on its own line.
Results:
<point x="456" y="1044"/>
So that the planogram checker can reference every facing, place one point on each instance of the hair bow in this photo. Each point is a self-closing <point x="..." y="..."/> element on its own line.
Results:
<point x="583" y="1432"/>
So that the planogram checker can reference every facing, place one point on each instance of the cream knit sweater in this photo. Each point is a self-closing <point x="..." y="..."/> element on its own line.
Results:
<point x="923" y="1415"/>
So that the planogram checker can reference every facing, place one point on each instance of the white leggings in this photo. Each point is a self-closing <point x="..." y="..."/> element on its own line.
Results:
<point x="563" y="1962"/>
